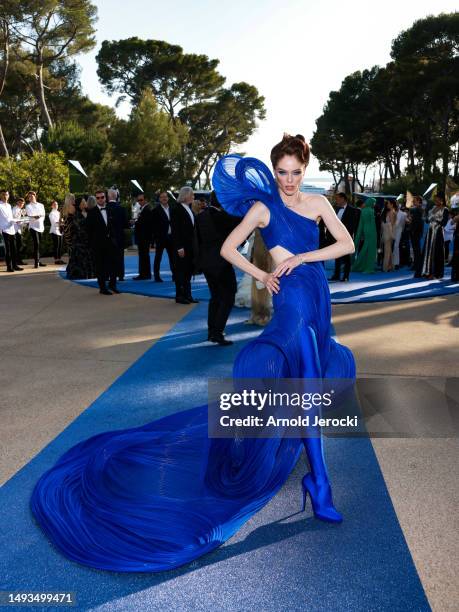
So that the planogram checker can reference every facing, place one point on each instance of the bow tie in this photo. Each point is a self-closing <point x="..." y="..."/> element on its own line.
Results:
<point x="102" y="208"/>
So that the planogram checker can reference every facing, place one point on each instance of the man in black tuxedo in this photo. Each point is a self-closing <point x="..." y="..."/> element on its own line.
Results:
<point x="144" y="237"/>
<point x="349" y="216"/>
<point x="416" y="229"/>
<point x="120" y="223"/>
<point x="213" y="226"/>
<point x="162" y="232"/>
<point x="102" y="240"/>
<point x="185" y="245"/>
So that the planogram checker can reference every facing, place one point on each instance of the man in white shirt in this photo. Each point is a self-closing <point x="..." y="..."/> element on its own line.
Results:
<point x="55" y="231"/>
<point x="163" y="236"/>
<point x="36" y="212"/>
<point x="18" y="210"/>
<point x="8" y="229"/>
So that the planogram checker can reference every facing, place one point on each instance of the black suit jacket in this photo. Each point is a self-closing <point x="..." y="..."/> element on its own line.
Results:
<point x="101" y="236"/>
<point x="183" y="231"/>
<point x="144" y="225"/>
<point x="120" y="222"/>
<point x="213" y="226"/>
<point x="161" y="223"/>
<point x="350" y="218"/>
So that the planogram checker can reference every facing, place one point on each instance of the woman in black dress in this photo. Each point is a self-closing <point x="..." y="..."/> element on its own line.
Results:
<point x="80" y="265"/>
<point x="434" y="247"/>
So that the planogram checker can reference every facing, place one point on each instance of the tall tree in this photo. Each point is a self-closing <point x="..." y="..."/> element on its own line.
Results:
<point x="145" y="147"/>
<point x="216" y="127"/>
<point x="53" y="30"/>
<point x="5" y="50"/>
<point x="342" y="140"/>
<point x="177" y="79"/>
<point x="431" y="46"/>
<point x="10" y="16"/>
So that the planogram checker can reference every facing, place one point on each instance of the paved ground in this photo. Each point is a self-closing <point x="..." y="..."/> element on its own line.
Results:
<point x="62" y="345"/>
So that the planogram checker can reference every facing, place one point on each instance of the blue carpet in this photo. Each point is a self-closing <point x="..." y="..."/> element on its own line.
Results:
<point x="378" y="287"/>
<point x="279" y="560"/>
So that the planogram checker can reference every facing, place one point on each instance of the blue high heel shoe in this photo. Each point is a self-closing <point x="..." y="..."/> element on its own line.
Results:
<point x="321" y="500"/>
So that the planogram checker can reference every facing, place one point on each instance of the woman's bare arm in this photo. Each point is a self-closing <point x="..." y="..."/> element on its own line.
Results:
<point x="257" y="216"/>
<point x="344" y="244"/>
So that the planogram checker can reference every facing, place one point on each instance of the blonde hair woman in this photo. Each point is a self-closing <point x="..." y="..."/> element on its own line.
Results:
<point x="80" y="263"/>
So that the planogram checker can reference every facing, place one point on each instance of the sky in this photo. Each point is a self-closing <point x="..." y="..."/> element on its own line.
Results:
<point x="294" y="51"/>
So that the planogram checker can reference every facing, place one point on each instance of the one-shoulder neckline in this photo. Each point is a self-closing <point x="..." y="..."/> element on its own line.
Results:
<point x="297" y="214"/>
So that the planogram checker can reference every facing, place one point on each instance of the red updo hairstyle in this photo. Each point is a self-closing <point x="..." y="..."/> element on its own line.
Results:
<point x="291" y="145"/>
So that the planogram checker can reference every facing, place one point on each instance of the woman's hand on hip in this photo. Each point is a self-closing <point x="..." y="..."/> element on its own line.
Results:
<point x="270" y="282"/>
<point x="288" y="265"/>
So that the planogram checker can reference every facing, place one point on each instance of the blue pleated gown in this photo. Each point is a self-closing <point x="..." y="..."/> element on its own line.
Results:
<point x="155" y="497"/>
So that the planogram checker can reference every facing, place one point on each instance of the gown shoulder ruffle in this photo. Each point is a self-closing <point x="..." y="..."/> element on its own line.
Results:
<point x="155" y="497"/>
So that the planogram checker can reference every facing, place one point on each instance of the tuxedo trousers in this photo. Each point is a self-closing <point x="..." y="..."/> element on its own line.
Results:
<point x="57" y="246"/>
<point x="105" y="260"/>
<point x="183" y="272"/>
<point x="143" y="248"/>
<point x="164" y="244"/>
<point x="222" y="286"/>
<point x="36" y="236"/>
<point x="345" y="261"/>
<point x="10" y="250"/>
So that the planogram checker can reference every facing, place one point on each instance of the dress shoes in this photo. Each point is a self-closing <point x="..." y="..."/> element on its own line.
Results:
<point x="192" y="300"/>
<point x="105" y="292"/>
<point x="138" y="278"/>
<point x="10" y="270"/>
<point x="181" y="300"/>
<point x="115" y="290"/>
<point x="159" y="280"/>
<point x="220" y="339"/>
<point x="41" y="265"/>
<point x="18" y="269"/>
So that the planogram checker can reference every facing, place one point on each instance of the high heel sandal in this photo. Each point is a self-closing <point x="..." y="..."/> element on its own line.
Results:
<point x="323" y="508"/>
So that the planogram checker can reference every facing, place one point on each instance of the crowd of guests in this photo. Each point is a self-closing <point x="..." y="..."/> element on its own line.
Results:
<point x="30" y="214"/>
<point x="93" y="231"/>
<point x="192" y="233"/>
<point x="389" y="235"/>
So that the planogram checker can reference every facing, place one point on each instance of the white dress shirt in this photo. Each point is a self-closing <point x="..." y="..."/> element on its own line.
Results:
<point x="33" y="210"/>
<point x="103" y="212"/>
<point x="189" y="211"/>
<point x="168" y="214"/>
<point x="7" y="224"/>
<point x="17" y="214"/>
<point x="341" y="212"/>
<point x="54" y="218"/>
<point x="136" y="208"/>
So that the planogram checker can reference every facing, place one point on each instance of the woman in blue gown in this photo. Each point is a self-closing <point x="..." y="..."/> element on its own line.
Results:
<point x="155" y="497"/>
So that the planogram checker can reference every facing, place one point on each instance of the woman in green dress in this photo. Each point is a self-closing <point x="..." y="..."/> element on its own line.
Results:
<point x="365" y="258"/>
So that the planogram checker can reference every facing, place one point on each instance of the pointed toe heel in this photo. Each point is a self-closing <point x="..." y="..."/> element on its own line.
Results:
<point x="321" y="500"/>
